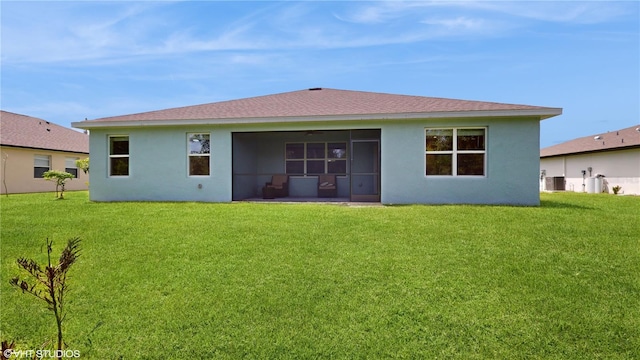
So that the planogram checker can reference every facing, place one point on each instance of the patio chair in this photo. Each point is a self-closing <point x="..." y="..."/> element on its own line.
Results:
<point x="277" y="187"/>
<point x="327" y="186"/>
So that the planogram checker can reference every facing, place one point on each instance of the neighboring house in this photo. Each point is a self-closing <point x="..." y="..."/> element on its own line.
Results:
<point x="30" y="146"/>
<point x="615" y="154"/>
<point x="394" y="149"/>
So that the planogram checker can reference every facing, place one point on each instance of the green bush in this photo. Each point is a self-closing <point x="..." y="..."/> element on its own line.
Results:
<point x="60" y="177"/>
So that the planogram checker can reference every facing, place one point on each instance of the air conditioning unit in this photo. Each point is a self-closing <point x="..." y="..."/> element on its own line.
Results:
<point x="555" y="183"/>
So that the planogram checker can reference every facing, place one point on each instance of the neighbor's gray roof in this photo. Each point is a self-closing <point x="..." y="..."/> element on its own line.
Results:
<point x="612" y="140"/>
<point x="320" y="102"/>
<point x="30" y="132"/>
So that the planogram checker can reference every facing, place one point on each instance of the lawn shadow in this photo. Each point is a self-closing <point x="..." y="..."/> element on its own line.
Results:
<point x="555" y="204"/>
<point x="544" y="204"/>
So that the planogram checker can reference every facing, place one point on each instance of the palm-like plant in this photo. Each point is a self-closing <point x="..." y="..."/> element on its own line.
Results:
<point x="50" y="283"/>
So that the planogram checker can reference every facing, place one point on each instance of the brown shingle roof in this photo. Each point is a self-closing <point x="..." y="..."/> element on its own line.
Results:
<point x="29" y="132"/>
<point x="613" y="140"/>
<point x="319" y="102"/>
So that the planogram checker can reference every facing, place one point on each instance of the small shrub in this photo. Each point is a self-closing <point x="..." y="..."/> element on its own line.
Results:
<point x="60" y="177"/>
<point x="616" y="189"/>
<point x="50" y="284"/>
<point x="83" y="164"/>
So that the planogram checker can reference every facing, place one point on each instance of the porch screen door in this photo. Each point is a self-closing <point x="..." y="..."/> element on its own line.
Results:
<point x="365" y="170"/>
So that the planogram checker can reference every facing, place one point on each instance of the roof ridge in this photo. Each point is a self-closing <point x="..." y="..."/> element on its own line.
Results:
<point x="321" y="102"/>
<point x="195" y="105"/>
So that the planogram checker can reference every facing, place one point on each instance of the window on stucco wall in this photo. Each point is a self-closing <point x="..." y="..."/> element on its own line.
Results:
<point x="118" y="155"/>
<point x="41" y="164"/>
<point x="455" y="152"/>
<point x="199" y="154"/>
<point x="70" y="166"/>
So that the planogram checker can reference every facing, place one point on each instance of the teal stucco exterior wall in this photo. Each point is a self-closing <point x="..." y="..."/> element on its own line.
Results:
<point x="512" y="148"/>
<point x="158" y="166"/>
<point x="158" y="162"/>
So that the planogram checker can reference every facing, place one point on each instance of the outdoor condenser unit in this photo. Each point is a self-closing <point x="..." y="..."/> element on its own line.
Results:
<point x="555" y="183"/>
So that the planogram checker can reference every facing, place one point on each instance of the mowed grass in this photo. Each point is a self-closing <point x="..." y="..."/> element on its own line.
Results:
<point x="295" y="281"/>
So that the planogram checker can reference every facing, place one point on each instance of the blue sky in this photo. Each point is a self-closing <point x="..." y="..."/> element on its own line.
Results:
<point x="66" y="61"/>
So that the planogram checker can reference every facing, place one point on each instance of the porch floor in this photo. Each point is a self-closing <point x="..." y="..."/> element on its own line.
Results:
<point x="317" y="200"/>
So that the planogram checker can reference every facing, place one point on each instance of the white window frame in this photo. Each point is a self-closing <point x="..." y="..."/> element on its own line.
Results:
<point x="189" y="154"/>
<point x="326" y="157"/>
<point x="36" y="165"/>
<point x="454" y="152"/>
<point x="128" y="155"/>
<point x="71" y="161"/>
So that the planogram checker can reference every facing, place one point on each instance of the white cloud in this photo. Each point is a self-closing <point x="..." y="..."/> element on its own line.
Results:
<point x="584" y="12"/>
<point x="90" y="33"/>
<point x="66" y="31"/>
<point x="579" y="12"/>
<point x="367" y="15"/>
<point x="452" y="23"/>
<point x="380" y="11"/>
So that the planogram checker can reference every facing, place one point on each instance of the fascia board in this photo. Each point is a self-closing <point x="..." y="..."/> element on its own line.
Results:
<point x="42" y="149"/>
<point x="543" y="113"/>
<point x="591" y="151"/>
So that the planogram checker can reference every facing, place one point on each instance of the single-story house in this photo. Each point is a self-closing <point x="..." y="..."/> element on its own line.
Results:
<point x="30" y="146"/>
<point x="612" y="158"/>
<point x="393" y="149"/>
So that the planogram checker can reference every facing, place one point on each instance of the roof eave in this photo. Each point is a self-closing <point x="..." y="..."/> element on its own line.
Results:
<point x="591" y="151"/>
<point x="44" y="149"/>
<point x="542" y="113"/>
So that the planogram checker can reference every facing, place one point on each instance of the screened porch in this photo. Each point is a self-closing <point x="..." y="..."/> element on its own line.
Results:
<point x="352" y="157"/>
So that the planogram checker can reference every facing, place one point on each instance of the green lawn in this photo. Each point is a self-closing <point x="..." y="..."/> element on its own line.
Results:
<point x="242" y="280"/>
